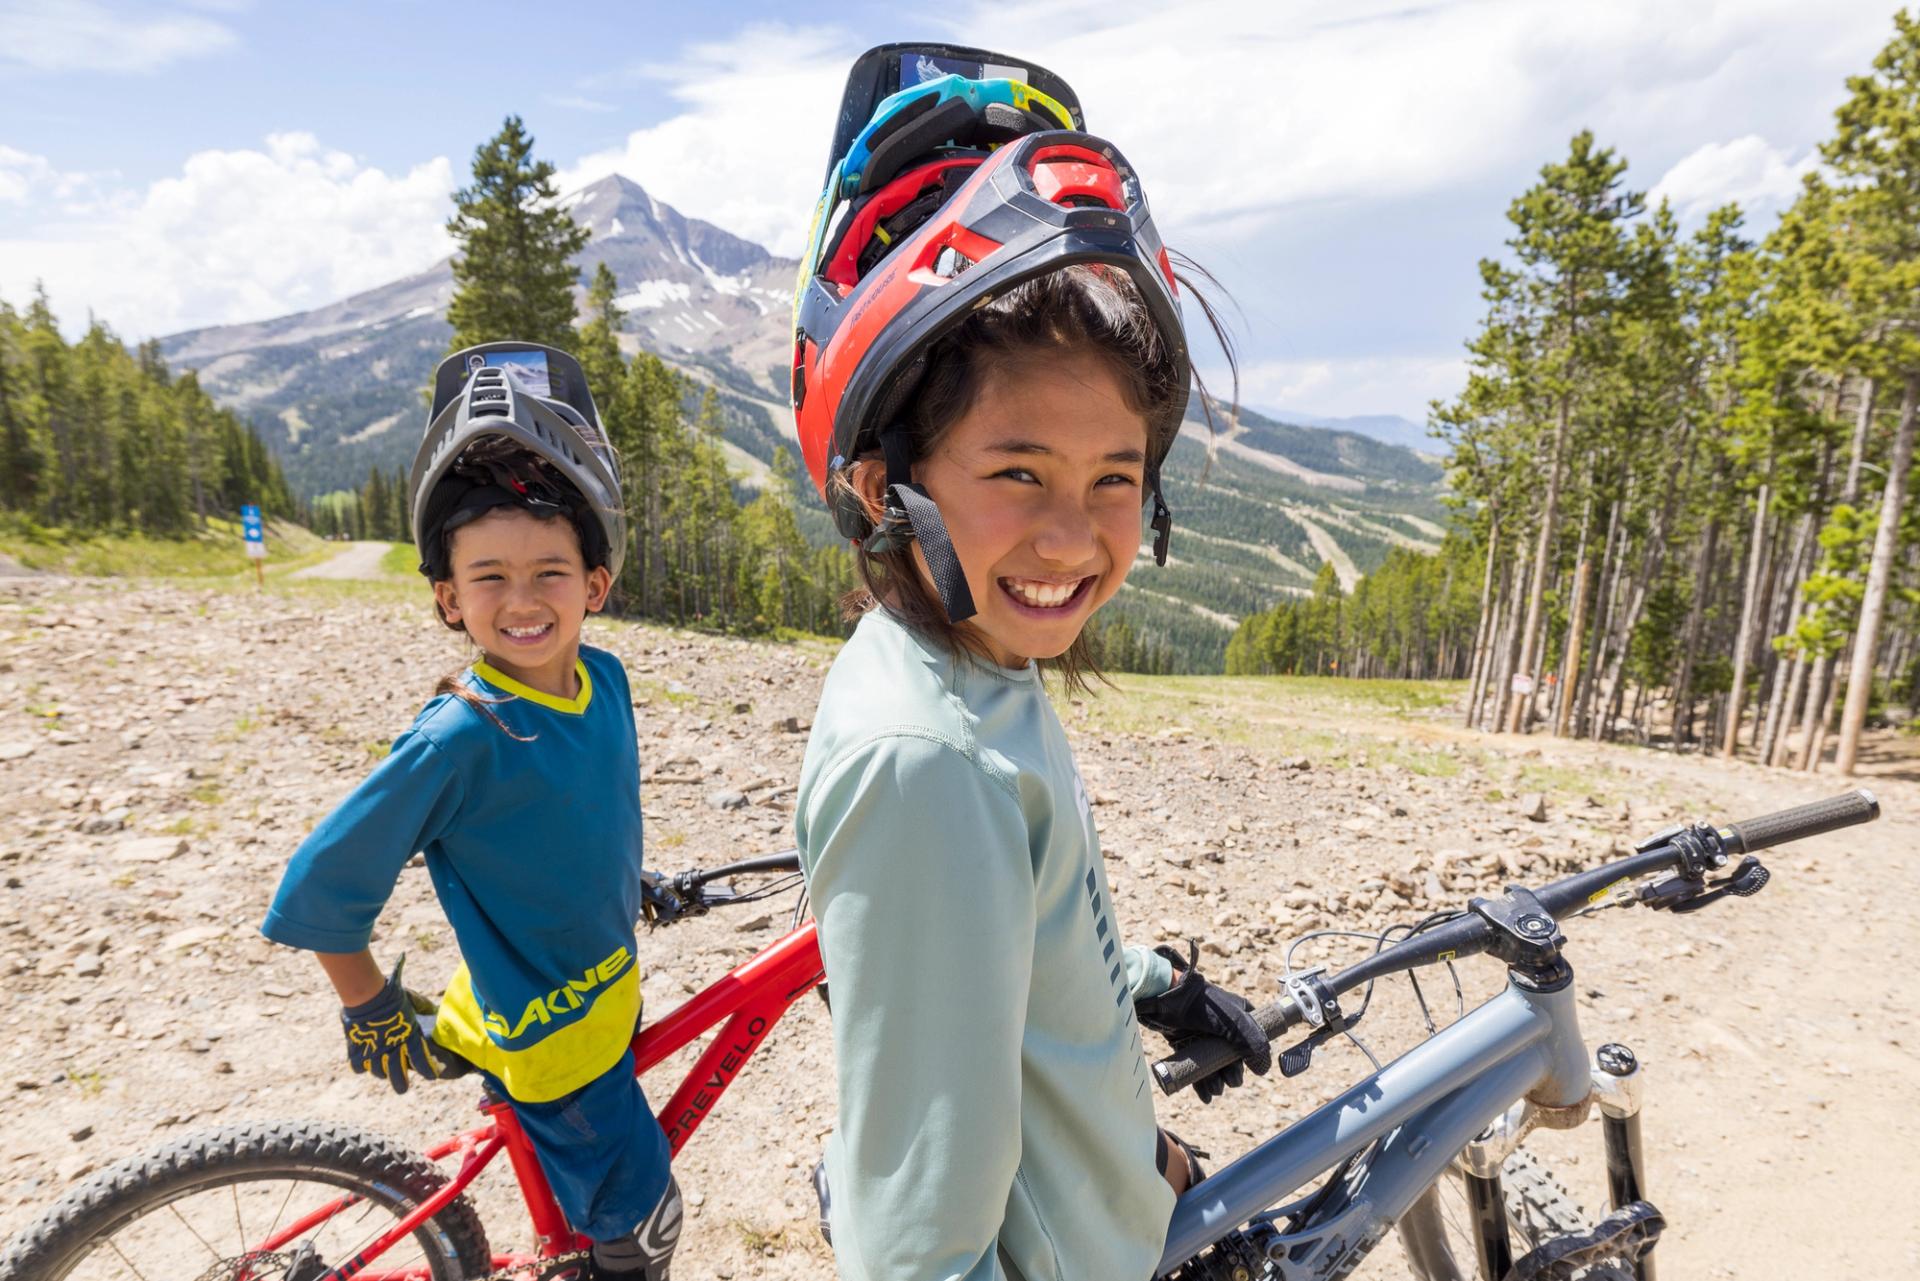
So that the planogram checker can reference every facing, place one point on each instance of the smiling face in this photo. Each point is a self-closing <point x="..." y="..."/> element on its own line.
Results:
<point x="521" y="589"/>
<point x="1039" y="482"/>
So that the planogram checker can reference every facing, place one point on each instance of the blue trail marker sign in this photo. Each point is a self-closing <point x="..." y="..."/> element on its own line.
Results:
<point x="255" y="534"/>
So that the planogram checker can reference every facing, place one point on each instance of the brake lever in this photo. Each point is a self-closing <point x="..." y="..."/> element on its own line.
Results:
<point x="659" y="903"/>
<point x="1314" y="997"/>
<point x="1748" y="879"/>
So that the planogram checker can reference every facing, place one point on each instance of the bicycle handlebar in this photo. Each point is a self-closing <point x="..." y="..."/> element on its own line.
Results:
<point x="1802" y="821"/>
<point x="784" y="861"/>
<point x="1470" y="935"/>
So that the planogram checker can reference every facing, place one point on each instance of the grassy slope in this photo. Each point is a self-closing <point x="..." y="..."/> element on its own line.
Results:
<point x="1335" y="724"/>
<point x="215" y="554"/>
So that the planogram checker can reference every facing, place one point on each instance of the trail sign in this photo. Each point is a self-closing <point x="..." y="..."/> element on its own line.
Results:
<point x="255" y="534"/>
<point x="253" y="531"/>
<point x="1522" y="683"/>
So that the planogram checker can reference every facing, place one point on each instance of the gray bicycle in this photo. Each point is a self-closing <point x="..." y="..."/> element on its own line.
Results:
<point x="1450" y="1115"/>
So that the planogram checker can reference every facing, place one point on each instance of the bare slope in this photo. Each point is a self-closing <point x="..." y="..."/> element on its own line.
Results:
<point x="1240" y="812"/>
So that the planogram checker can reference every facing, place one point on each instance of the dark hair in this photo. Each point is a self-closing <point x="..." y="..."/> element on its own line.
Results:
<point x="511" y="456"/>
<point x="1083" y="308"/>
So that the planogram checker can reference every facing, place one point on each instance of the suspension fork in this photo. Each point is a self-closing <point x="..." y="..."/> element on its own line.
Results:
<point x="1491" y="1240"/>
<point x="1617" y="1088"/>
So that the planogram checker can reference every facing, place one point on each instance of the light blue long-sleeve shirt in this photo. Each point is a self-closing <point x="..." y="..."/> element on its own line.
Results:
<point x="996" y="1118"/>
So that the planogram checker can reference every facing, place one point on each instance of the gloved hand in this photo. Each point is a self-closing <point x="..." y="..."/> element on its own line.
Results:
<point x="1193" y="1007"/>
<point x="386" y="1038"/>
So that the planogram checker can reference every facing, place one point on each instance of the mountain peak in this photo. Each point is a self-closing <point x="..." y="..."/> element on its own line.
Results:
<point x="618" y="209"/>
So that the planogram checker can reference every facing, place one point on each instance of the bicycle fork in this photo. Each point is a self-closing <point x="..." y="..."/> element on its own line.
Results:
<point x="1616" y="1088"/>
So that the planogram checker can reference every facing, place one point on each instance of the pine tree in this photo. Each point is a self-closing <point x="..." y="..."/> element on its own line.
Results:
<point x="513" y="275"/>
<point x="598" y="348"/>
<point x="1876" y="156"/>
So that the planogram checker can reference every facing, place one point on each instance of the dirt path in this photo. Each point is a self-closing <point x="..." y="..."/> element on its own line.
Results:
<point x="164" y="748"/>
<point x="355" y="560"/>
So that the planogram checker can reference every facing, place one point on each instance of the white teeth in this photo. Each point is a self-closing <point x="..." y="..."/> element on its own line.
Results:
<point x="525" y="632"/>
<point x="1042" y="595"/>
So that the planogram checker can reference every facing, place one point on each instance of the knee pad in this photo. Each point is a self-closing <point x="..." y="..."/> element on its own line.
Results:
<point x="646" y="1253"/>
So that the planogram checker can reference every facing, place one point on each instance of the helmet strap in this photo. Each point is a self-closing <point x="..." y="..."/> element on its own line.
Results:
<point x="1162" y="522"/>
<point x="911" y="513"/>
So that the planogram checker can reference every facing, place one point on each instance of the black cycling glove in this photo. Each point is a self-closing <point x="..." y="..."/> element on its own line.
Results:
<point x="386" y="1038"/>
<point x="1192" y="1008"/>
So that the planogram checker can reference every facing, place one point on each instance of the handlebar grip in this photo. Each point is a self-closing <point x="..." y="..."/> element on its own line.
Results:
<point x="1804" y="820"/>
<point x="1206" y="1055"/>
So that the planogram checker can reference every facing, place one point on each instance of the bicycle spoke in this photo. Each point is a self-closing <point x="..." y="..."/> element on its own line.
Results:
<point x="175" y="1211"/>
<point x="238" y="1225"/>
<point x="278" y="1214"/>
<point x="138" y="1274"/>
<point x="378" y="1229"/>
<point x="372" y="1236"/>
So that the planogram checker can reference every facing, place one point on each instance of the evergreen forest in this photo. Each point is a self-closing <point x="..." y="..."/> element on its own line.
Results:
<point x="97" y="438"/>
<point x="1682" y="466"/>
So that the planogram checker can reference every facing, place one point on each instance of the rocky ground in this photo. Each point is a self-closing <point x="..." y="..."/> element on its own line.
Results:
<point x="164" y="747"/>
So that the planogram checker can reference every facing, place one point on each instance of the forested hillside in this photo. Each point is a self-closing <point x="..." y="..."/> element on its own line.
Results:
<point x="96" y="437"/>
<point x="337" y="394"/>
<point x="1684" y="461"/>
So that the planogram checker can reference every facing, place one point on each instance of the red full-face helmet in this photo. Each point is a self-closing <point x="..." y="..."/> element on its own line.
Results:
<point x="911" y="260"/>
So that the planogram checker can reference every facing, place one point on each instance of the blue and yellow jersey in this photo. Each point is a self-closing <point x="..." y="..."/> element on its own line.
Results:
<point x="535" y="852"/>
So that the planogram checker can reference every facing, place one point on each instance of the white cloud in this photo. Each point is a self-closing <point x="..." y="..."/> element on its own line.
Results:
<point x="84" y="35"/>
<point x="729" y="157"/>
<point x="1750" y="170"/>
<point x="23" y="174"/>
<point x="1235" y="109"/>
<point x="1343" y="387"/>
<point x="236" y="235"/>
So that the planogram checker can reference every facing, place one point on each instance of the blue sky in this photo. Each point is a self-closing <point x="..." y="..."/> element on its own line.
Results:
<point x="1340" y="167"/>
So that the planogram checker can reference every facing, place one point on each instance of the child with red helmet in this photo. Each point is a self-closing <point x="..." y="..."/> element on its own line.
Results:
<point x="986" y="406"/>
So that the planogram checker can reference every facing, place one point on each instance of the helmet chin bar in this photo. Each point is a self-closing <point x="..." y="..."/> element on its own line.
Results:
<point x="912" y="514"/>
<point x="1162" y="522"/>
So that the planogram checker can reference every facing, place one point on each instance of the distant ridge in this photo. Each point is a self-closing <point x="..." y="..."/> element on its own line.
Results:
<point x="1389" y="428"/>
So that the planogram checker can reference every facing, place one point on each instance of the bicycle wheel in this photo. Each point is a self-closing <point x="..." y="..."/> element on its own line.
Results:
<point x="1437" y="1230"/>
<point x="212" y="1207"/>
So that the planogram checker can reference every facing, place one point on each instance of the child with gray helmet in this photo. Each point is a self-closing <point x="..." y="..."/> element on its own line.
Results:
<point x="519" y="783"/>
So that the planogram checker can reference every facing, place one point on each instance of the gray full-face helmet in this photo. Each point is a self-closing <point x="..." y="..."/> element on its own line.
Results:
<point x="536" y="398"/>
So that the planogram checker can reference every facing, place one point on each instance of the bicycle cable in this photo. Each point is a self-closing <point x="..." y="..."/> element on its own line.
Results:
<point x="780" y="886"/>
<point x="1380" y="939"/>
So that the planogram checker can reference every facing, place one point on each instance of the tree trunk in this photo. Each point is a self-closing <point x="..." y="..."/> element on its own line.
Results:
<point x="1886" y="539"/>
<point x="1483" y="631"/>
<point x="1682" y="731"/>
<point x="1570" y="661"/>
<point x="1543" y="553"/>
<point x="1736" y="698"/>
<point x="1503" y="699"/>
<point x="1796" y="570"/>
<point x="1817" y="698"/>
<point x="1862" y="425"/>
<point x="1817" y="741"/>
<point x="1609" y="580"/>
<point x="1496" y="633"/>
<point x="1778" y="747"/>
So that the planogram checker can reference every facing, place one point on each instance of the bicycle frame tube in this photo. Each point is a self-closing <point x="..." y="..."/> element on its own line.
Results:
<point x="756" y="995"/>
<point x="477" y="1149"/>
<point x="1421" y="1109"/>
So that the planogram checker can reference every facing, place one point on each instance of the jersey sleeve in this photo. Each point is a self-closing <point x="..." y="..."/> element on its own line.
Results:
<point x="343" y="873"/>
<point x="922" y="882"/>
<point x="1149" y="974"/>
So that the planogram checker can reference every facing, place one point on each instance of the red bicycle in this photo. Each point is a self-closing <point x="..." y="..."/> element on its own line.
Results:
<point x="303" y="1201"/>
